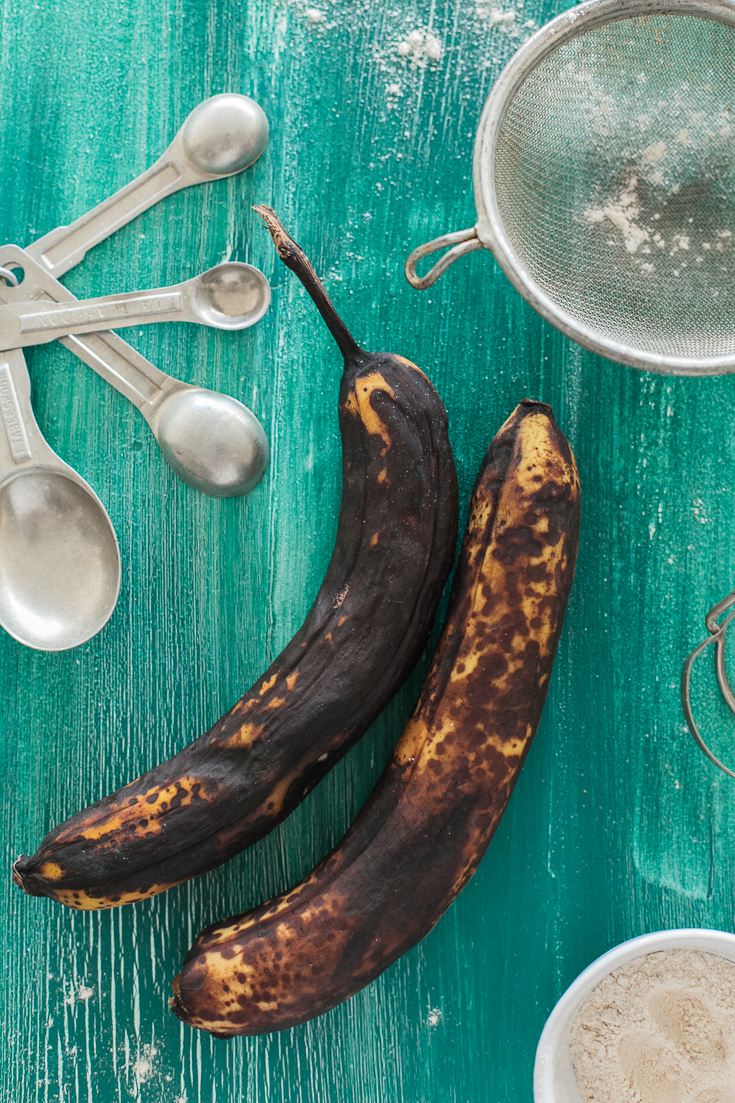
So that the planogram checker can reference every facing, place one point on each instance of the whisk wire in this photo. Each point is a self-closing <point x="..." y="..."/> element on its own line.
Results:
<point x="717" y="637"/>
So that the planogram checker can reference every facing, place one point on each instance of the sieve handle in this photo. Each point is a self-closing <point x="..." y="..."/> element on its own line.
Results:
<point x="464" y="241"/>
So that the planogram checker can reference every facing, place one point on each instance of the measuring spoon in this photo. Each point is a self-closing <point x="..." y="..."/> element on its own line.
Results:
<point x="222" y="136"/>
<point x="212" y="441"/>
<point x="228" y="296"/>
<point x="59" y="557"/>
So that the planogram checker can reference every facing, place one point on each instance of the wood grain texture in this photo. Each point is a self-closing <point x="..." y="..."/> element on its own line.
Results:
<point x="618" y="825"/>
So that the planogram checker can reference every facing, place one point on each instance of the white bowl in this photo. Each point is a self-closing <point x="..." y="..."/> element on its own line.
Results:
<point x="553" y="1073"/>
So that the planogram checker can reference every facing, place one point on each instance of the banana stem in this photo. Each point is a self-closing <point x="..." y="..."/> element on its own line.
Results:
<point x="294" y="258"/>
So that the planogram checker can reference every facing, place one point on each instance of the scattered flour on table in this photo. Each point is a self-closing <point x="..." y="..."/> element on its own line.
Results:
<point x="660" y="1029"/>
<point x="482" y="37"/>
<point x="144" y="1065"/>
<point x="420" y="47"/>
<point x="75" y="992"/>
<point x="508" y="21"/>
<point x="317" y="18"/>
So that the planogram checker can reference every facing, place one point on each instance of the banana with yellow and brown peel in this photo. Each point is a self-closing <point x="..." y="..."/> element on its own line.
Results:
<point x="393" y="552"/>
<point x="426" y="825"/>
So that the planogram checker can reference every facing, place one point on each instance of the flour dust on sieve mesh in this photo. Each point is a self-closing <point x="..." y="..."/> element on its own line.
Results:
<point x="615" y="182"/>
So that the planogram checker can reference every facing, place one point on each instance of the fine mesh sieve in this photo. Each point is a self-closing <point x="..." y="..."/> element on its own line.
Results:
<point x="604" y="179"/>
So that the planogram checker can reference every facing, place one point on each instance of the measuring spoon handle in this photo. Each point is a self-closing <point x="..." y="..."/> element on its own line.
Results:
<point x="231" y="296"/>
<point x="122" y="366"/>
<point x="222" y="136"/>
<point x="66" y="246"/>
<point x="22" y="441"/>
<point x="37" y="323"/>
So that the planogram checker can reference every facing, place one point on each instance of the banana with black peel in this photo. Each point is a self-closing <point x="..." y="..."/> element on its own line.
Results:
<point x="394" y="549"/>
<point x="423" y="830"/>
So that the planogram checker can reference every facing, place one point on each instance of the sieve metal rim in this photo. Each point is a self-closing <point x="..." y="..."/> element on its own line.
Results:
<point x="488" y="231"/>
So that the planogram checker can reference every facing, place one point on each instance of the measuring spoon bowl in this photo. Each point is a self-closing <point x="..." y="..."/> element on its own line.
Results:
<point x="222" y="136"/>
<point x="59" y="560"/>
<point x="213" y="442"/>
<point x="230" y="296"/>
<point x="59" y="556"/>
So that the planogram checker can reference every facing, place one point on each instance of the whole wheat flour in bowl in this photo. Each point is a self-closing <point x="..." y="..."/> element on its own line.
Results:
<point x="659" y="1029"/>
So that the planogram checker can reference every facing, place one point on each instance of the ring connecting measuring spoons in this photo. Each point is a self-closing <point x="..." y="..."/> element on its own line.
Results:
<point x="59" y="557"/>
<point x="229" y="296"/>
<point x="222" y="136"/>
<point x="212" y="441"/>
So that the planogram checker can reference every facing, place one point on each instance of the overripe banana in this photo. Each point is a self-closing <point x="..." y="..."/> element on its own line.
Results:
<point x="426" y="825"/>
<point x="369" y="623"/>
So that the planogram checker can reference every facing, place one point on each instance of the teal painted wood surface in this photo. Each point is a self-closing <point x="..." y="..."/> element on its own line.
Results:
<point x="618" y="825"/>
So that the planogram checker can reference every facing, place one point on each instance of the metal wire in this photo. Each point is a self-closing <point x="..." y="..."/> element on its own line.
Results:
<point x="614" y="178"/>
<point x="717" y="637"/>
<point x="604" y="179"/>
<point x="10" y="276"/>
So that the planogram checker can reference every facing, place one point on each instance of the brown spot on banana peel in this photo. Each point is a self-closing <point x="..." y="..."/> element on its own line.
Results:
<point x="426" y="825"/>
<point x="363" y="635"/>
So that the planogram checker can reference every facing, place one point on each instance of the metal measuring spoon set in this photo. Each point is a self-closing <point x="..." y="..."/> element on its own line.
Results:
<point x="59" y="556"/>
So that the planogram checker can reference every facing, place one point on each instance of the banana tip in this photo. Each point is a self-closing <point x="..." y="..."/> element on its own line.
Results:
<point x="26" y="877"/>
<point x="175" y="1001"/>
<point x="536" y="404"/>
<point x="177" y="1006"/>
<point x="17" y="878"/>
